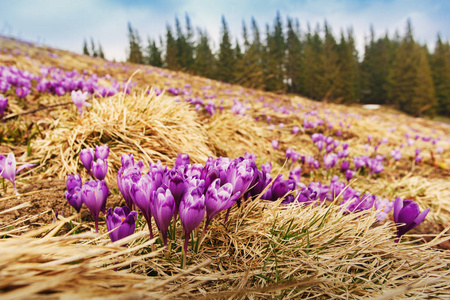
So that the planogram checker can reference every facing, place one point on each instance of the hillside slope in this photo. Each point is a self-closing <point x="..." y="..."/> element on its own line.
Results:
<point x="266" y="249"/>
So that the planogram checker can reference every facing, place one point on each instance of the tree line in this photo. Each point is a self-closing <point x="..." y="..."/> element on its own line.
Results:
<point x="395" y="71"/>
<point x="95" y="51"/>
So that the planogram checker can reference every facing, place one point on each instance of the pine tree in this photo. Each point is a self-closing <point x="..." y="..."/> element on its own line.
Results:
<point x="293" y="59"/>
<point x="440" y="64"/>
<point x="375" y="68"/>
<point x="313" y="65"/>
<point x="93" y="51"/>
<point x="153" y="54"/>
<point x="135" y="51"/>
<point x="330" y="64"/>
<point x="189" y="44"/>
<point x="275" y="57"/>
<point x="204" y="58"/>
<point x="100" y="51"/>
<point x="85" y="48"/>
<point x="171" y="59"/>
<point x="411" y="85"/>
<point x="347" y="81"/>
<point x="225" y="63"/>
<point x="250" y="71"/>
<point x="238" y="62"/>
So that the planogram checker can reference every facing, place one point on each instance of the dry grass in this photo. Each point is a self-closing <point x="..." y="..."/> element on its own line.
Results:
<point x="267" y="250"/>
<point x="152" y="128"/>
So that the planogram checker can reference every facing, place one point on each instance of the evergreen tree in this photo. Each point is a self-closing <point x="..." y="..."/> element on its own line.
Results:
<point x="100" y="51"/>
<point x="171" y="59"/>
<point x="411" y="84"/>
<point x="189" y="44"/>
<point x="347" y="81"/>
<point x="225" y="63"/>
<point x="135" y="51"/>
<point x="275" y="57"/>
<point x="153" y="54"/>
<point x="375" y="68"/>
<point x="184" y="43"/>
<point x="440" y="63"/>
<point x="204" y="58"/>
<point x="238" y="63"/>
<point x="85" y="48"/>
<point x="252" y="73"/>
<point x="293" y="59"/>
<point x="313" y="65"/>
<point x="330" y="64"/>
<point x="93" y="51"/>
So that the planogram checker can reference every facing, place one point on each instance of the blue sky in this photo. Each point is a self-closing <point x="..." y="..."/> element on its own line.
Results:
<point x="64" y="24"/>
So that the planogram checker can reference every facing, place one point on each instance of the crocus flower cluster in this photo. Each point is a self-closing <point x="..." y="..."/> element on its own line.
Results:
<point x="375" y="165"/>
<point x="326" y="142"/>
<point x="55" y="81"/>
<point x="187" y="190"/>
<point x="98" y="168"/>
<point x="92" y="193"/>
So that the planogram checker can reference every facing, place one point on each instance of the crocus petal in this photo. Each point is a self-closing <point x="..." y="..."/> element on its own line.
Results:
<point x="23" y="167"/>
<point x="398" y="205"/>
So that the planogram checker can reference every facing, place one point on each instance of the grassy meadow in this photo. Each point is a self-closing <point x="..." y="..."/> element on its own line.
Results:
<point x="265" y="249"/>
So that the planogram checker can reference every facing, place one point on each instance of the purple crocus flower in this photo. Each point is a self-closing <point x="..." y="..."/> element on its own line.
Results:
<point x="73" y="181"/>
<point x="250" y="156"/>
<point x="349" y="174"/>
<point x="407" y="215"/>
<point x="289" y="152"/>
<point x="359" y="161"/>
<point x="345" y="165"/>
<point x="87" y="157"/>
<point x="218" y="198"/>
<point x="121" y="222"/>
<point x="192" y="212"/>
<point x="74" y="198"/>
<point x="8" y="168"/>
<point x="316" y="164"/>
<point x="141" y="193"/>
<point x="101" y="151"/>
<point x="182" y="159"/>
<point x="3" y="105"/>
<point x="267" y="167"/>
<point x="241" y="175"/>
<point x="60" y="91"/>
<point x="295" y="129"/>
<point x="275" y="144"/>
<point x="94" y="194"/>
<point x="396" y="155"/>
<point x="320" y="144"/>
<point x="4" y="86"/>
<point x="163" y="209"/>
<point x="330" y="160"/>
<point x="22" y="92"/>
<point x="375" y="165"/>
<point x="79" y="99"/>
<point x="385" y="206"/>
<point x="125" y="178"/>
<point x="296" y="174"/>
<point x="100" y="169"/>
